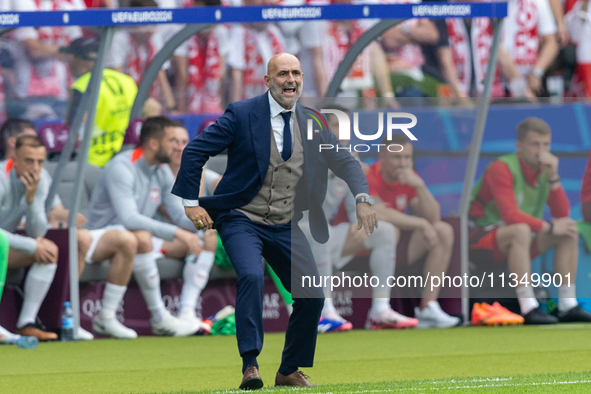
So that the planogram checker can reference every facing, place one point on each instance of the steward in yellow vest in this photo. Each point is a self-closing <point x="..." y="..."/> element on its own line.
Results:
<point x="116" y="96"/>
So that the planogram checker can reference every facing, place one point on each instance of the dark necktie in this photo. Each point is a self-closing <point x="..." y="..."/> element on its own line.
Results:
<point x="286" y="154"/>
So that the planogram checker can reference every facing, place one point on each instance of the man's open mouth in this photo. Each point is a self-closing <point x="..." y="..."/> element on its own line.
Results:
<point x="289" y="90"/>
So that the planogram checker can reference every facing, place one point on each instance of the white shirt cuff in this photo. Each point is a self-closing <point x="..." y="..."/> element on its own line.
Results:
<point x="190" y="203"/>
<point x="361" y="195"/>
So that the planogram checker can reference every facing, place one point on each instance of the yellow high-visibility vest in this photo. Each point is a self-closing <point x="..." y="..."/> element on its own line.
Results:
<point x="116" y="96"/>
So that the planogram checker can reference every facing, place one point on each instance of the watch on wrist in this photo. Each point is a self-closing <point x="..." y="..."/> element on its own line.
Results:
<point x="366" y="199"/>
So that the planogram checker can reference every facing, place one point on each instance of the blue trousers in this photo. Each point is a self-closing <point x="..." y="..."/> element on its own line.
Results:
<point x="283" y="246"/>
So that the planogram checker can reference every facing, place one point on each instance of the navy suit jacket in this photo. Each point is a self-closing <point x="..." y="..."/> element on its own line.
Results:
<point x="245" y="131"/>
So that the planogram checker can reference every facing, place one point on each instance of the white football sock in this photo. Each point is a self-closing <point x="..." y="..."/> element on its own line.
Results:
<point x="382" y="259"/>
<point x="112" y="296"/>
<point x="328" y="307"/>
<point x="527" y="299"/>
<point x="567" y="297"/>
<point x="378" y="305"/>
<point x="195" y="277"/>
<point x="36" y="287"/>
<point x="147" y="277"/>
<point x="324" y="264"/>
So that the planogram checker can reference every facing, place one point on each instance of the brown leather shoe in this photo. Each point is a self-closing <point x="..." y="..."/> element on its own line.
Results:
<point x="251" y="380"/>
<point x="32" y="331"/>
<point x="294" y="379"/>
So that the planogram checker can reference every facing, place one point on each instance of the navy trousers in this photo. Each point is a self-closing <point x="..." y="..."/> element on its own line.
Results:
<point x="282" y="246"/>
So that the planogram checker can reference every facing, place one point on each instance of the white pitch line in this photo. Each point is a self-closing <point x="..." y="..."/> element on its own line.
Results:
<point x="465" y="387"/>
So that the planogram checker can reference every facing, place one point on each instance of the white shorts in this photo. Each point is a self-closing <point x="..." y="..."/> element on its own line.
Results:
<point x="96" y="236"/>
<point x="333" y="248"/>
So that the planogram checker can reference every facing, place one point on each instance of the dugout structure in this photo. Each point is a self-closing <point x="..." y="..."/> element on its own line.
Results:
<point x="197" y="19"/>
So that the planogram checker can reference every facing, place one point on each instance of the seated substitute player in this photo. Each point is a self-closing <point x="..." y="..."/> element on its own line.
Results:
<point x="197" y="268"/>
<point x="23" y="187"/>
<point x="6" y="337"/>
<point x="131" y="188"/>
<point x="507" y="226"/>
<point x="23" y="191"/>
<point x="343" y="243"/>
<point x="12" y="129"/>
<point x="396" y="187"/>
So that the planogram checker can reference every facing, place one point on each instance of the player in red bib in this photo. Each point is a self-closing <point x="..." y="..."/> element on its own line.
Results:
<point x="394" y="183"/>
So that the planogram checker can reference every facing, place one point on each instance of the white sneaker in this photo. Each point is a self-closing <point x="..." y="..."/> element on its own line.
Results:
<point x="112" y="326"/>
<point x="191" y="318"/>
<point x="388" y="318"/>
<point x="172" y="327"/>
<point x="8" y="337"/>
<point x="434" y="317"/>
<point x="83" y="335"/>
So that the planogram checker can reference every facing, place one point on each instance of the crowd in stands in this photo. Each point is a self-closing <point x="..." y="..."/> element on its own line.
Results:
<point x="219" y="65"/>
<point x="132" y="216"/>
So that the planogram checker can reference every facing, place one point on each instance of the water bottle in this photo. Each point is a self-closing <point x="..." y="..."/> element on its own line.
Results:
<point x="67" y="323"/>
<point x="27" y="342"/>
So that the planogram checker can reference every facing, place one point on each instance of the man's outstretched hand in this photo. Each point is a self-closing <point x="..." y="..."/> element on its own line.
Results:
<point x="366" y="218"/>
<point x="199" y="217"/>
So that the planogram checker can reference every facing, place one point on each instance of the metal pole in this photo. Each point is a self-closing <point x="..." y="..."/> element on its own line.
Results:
<point x="156" y="65"/>
<point x="68" y="148"/>
<point x="93" y="88"/>
<point x="473" y="156"/>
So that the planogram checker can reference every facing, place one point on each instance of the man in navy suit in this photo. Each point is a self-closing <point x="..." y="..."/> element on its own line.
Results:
<point x="274" y="173"/>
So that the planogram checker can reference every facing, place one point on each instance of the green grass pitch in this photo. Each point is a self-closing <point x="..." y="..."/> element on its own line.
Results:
<point x="466" y="359"/>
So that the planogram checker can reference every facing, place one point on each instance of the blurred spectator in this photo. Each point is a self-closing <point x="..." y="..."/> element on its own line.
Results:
<point x="200" y="68"/>
<point x="470" y="43"/>
<point x="132" y="51"/>
<point x="561" y="29"/>
<point x="304" y="40"/>
<point x="252" y="46"/>
<point x="529" y="37"/>
<point x="101" y="3"/>
<point x="5" y="5"/>
<point x="370" y="64"/>
<point x="116" y="96"/>
<point x="166" y="31"/>
<point x="579" y="27"/>
<point x="438" y="67"/>
<point x="405" y="59"/>
<point x="42" y="78"/>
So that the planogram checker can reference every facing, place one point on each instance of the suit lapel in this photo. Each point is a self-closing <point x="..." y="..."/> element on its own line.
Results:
<point x="311" y="153"/>
<point x="260" y="131"/>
